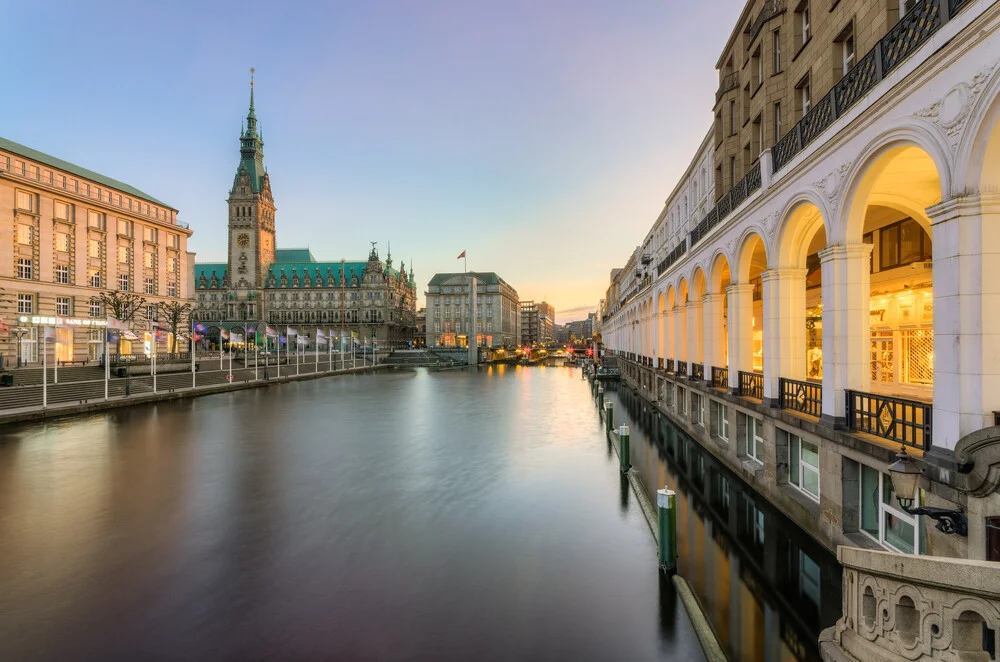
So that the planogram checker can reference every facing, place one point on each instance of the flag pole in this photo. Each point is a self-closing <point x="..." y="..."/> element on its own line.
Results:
<point x="316" y="350"/>
<point x="154" y="359"/>
<point x="255" y="352"/>
<point x="55" y="359"/>
<point x="191" y="345"/>
<point x="329" y="351"/>
<point x="107" y="363"/>
<point x="45" y="367"/>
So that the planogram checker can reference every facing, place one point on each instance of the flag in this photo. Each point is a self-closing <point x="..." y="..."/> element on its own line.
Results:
<point x="354" y="334"/>
<point x="49" y="333"/>
<point x="3" y="327"/>
<point x="320" y="338"/>
<point x="270" y="332"/>
<point x="195" y="336"/>
<point x="235" y="337"/>
<point x="200" y="328"/>
<point x="461" y="256"/>
<point x="114" y="323"/>
<point x="223" y="334"/>
<point x="282" y="340"/>
<point x="302" y="340"/>
<point x="292" y="332"/>
<point x="160" y="334"/>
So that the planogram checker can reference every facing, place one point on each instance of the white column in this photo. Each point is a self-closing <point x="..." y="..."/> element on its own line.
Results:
<point x="966" y="240"/>
<point x="846" y="274"/>
<point x="784" y="328"/>
<point x="694" y="340"/>
<point x="740" y="332"/>
<point x="680" y="334"/>
<point x="714" y="353"/>
<point x="657" y="353"/>
<point x="666" y="343"/>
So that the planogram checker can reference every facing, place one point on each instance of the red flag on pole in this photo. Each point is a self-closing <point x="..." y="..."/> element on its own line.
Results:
<point x="461" y="256"/>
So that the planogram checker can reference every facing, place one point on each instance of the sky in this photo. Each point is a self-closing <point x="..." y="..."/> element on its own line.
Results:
<point x="540" y="136"/>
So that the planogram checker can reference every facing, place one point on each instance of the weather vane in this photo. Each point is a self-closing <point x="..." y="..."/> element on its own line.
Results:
<point x="251" y="75"/>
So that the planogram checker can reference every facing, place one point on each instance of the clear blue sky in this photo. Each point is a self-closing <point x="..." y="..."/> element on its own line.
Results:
<point x="541" y="135"/>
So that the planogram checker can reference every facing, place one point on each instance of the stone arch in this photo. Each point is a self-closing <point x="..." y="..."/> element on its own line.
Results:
<point x="801" y="218"/>
<point x="978" y="165"/>
<point x="747" y="246"/>
<point x="876" y="161"/>
<point x="719" y="273"/>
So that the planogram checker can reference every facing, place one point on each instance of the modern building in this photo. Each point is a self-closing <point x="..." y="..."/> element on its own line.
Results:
<point x="448" y="311"/>
<point x="581" y="330"/>
<point x="262" y="284"/>
<point x="66" y="235"/>
<point x="833" y="301"/>
<point x="538" y="320"/>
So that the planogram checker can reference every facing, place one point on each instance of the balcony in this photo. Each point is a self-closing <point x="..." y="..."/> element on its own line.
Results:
<point x="803" y="397"/>
<point x="720" y="377"/>
<point x="729" y="82"/>
<point x="752" y="385"/>
<point x="906" y="422"/>
<point x="767" y="12"/>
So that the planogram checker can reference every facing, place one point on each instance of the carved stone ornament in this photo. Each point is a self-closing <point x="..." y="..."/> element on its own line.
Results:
<point x="951" y="112"/>
<point x="832" y="184"/>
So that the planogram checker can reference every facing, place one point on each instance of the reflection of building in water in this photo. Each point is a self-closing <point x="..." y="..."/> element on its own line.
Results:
<point x="767" y="587"/>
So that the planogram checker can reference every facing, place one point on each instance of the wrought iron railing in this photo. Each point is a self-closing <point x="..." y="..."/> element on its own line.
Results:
<point x="670" y="365"/>
<point x="674" y="255"/>
<point x="803" y="397"/>
<point x="682" y="368"/>
<point x="659" y="364"/>
<point x="752" y="385"/>
<point x="770" y="9"/>
<point x="729" y="82"/>
<point x="907" y="422"/>
<point x="750" y="183"/>
<point x="720" y="377"/>
<point x="698" y="371"/>
<point x="915" y="27"/>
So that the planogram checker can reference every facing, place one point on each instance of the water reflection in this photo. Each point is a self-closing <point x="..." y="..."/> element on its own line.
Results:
<point x="444" y="516"/>
<point x="767" y="587"/>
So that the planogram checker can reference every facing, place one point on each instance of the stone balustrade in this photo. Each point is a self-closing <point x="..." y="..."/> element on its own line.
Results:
<point x="900" y="607"/>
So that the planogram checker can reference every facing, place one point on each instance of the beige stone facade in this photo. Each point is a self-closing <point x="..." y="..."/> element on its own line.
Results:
<point x="66" y="235"/>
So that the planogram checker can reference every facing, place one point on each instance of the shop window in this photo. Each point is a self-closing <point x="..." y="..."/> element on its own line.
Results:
<point x="903" y="243"/>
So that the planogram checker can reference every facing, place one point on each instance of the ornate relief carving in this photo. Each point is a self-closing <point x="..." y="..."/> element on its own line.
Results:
<point x="950" y="113"/>
<point x="771" y="227"/>
<point x="831" y="185"/>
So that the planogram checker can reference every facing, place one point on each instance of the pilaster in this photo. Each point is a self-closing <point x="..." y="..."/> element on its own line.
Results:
<point x="740" y="333"/>
<point x="784" y="328"/>
<point x="715" y="352"/>
<point x="694" y="334"/>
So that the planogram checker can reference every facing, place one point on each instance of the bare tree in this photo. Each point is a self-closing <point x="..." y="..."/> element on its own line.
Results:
<point x="176" y="315"/>
<point x="122" y="306"/>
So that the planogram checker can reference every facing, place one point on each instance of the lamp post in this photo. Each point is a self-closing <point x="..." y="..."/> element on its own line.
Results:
<point x="906" y="475"/>
<point x="20" y="332"/>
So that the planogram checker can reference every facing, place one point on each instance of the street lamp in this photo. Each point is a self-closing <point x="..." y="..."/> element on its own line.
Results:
<point x="906" y="475"/>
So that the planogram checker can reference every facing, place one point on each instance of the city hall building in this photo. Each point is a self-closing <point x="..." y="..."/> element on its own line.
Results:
<point x="261" y="284"/>
<point x="66" y="235"/>
<point x="821" y="287"/>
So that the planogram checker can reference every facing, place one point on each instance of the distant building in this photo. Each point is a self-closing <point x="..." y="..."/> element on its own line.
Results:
<point x="537" y="323"/>
<point x="420" y="334"/>
<point x="581" y="330"/>
<point x="563" y="333"/>
<point x="447" y="316"/>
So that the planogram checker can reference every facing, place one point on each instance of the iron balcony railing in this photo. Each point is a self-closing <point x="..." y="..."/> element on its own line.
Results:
<point x="803" y="397"/>
<point x="750" y="183"/>
<point x="911" y="31"/>
<point x="698" y="371"/>
<point x="720" y="377"/>
<point x="907" y="422"/>
<point x="682" y="368"/>
<point x="729" y="82"/>
<point x="674" y="255"/>
<point x="752" y="385"/>
<point x="659" y="364"/>
<point x="670" y="366"/>
<point x="770" y="9"/>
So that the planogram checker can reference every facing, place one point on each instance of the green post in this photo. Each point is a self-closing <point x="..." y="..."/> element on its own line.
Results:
<point x="609" y="416"/>
<point x="623" y="451"/>
<point x="666" y="506"/>
<point x="600" y="397"/>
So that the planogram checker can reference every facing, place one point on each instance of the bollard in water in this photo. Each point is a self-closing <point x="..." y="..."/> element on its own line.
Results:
<point x="667" y="521"/>
<point x="609" y="415"/>
<point x="623" y="451"/>
<point x="600" y="397"/>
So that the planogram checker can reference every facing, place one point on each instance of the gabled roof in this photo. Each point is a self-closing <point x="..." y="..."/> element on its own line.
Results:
<point x="207" y="268"/>
<point x="51" y="161"/>
<point x="302" y="268"/>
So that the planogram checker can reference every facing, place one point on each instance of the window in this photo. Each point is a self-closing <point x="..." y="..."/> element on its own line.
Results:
<point x="149" y="286"/>
<point x="62" y="242"/>
<point x="62" y="306"/>
<point x="149" y="234"/>
<point x="25" y="234"/>
<point x="149" y="259"/>
<point x="25" y="303"/>
<point x="847" y="50"/>
<point x="803" y="465"/>
<point x="803" y="96"/>
<point x="173" y="240"/>
<point x="905" y="6"/>
<point x="732" y="117"/>
<point x="124" y="227"/>
<point x="60" y="211"/>
<point x="95" y="308"/>
<point x="94" y="277"/>
<point x="697" y="409"/>
<point x="757" y="62"/>
<point x="776" y="51"/>
<point x="123" y="254"/>
<point x="171" y="289"/>
<point x="881" y="517"/>
<point x="758" y="139"/>
<point x="62" y="274"/>
<point x="25" y="201"/>
<point x="24" y="268"/>
<point x="94" y="248"/>
<point x="681" y="400"/>
<point x="732" y="171"/>
<point x="903" y="243"/>
<point x="753" y="437"/>
<point x="722" y="421"/>
<point x="777" y="121"/>
<point x="150" y="313"/>
<point x="123" y="284"/>
<point x="95" y="220"/>
<point x="802" y="23"/>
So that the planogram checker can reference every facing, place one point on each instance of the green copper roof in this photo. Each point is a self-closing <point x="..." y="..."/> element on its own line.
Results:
<point x="293" y="255"/>
<point x="488" y="277"/>
<point x="207" y="268"/>
<point x="51" y="161"/>
<point x="252" y="150"/>
<point x="302" y="268"/>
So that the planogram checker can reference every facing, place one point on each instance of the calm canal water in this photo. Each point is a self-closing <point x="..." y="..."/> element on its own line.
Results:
<point x="401" y="516"/>
<point x="767" y="587"/>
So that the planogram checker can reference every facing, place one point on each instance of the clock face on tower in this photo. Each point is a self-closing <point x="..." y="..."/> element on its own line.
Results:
<point x="243" y="239"/>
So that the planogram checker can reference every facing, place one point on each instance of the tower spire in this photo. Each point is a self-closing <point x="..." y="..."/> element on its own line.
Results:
<point x="252" y="144"/>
